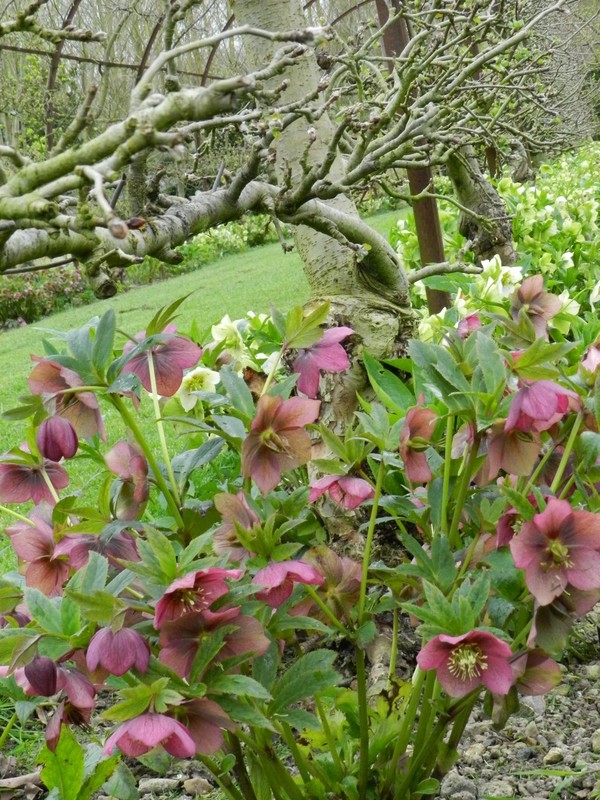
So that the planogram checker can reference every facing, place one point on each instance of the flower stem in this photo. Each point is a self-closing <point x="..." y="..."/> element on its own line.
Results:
<point x="131" y="423"/>
<point x="327" y="611"/>
<point x="16" y="514"/>
<point x="9" y="726"/>
<point x="465" y="482"/>
<point x="240" y="768"/>
<point x="223" y="781"/>
<point x="333" y="750"/>
<point x="161" y="430"/>
<point x="361" y="673"/>
<point x="447" y="467"/>
<point x="394" y="649"/>
<point x="565" y="456"/>
<point x="274" y="369"/>
<point x="50" y="485"/>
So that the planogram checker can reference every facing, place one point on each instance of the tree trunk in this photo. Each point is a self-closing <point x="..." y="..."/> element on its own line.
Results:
<point x="372" y="300"/>
<point x="489" y="227"/>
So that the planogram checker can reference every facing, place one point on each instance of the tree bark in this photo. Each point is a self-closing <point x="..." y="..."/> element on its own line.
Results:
<point x="489" y="227"/>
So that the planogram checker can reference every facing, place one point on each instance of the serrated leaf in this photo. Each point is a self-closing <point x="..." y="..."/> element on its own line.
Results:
<point x="63" y="769"/>
<point x="304" y="331"/>
<point x="392" y="392"/>
<point x="519" y="503"/>
<point x="310" y="674"/>
<point x="92" y="577"/>
<point x="240" y="686"/>
<point x="164" y="316"/>
<point x="45" y="611"/>
<point x="158" y="554"/>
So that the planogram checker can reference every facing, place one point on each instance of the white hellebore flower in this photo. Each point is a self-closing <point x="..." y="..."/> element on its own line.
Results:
<point x="595" y="294"/>
<point x="201" y="379"/>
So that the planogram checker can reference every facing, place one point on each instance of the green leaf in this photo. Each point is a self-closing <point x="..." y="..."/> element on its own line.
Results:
<point x="164" y="316"/>
<point x="587" y="447"/>
<point x="64" y="768"/>
<point x="490" y="362"/>
<point x="185" y="463"/>
<point x="242" y="712"/>
<point x="240" y="686"/>
<point x="442" y="561"/>
<point x="312" y="673"/>
<point x="519" y="503"/>
<point x="102" y="348"/>
<point x="428" y="786"/>
<point x="366" y="633"/>
<point x="98" y="777"/>
<point x="304" y="331"/>
<point x="158" y="554"/>
<point x="122" y="784"/>
<point x="92" y="577"/>
<point x="392" y="392"/>
<point x="45" y="611"/>
<point x="238" y="392"/>
<point x="13" y="640"/>
<point x="137" y="701"/>
<point x="97" y="606"/>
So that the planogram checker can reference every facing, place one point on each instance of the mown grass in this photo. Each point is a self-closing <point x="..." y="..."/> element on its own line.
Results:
<point x="233" y="285"/>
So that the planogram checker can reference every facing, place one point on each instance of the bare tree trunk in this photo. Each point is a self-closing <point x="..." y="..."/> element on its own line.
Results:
<point x="427" y="218"/>
<point x="489" y="228"/>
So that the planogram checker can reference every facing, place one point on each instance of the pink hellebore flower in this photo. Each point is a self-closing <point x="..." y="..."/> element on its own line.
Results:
<point x="118" y="652"/>
<point x="466" y="326"/>
<point x="416" y="433"/>
<point x="129" y="463"/>
<point x="48" y="563"/>
<point x="81" y="408"/>
<point x="56" y="438"/>
<point x="181" y="639"/>
<point x="236" y="513"/>
<point x="340" y="588"/>
<point x="277" y="441"/>
<point x="513" y="451"/>
<point x="464" y="663"/>
<point x="535" y="673"/>
<point x="347" y="491"/>
<point x="205" y="720"/>
<point x="141" y="734"/>
<point x="531" y="300"/>
<point x="558" y="548"/>
<point x="21" y="481"/>
<point x="538" y="406"/>
<point x="327" y="354"/>
<point x="171" y="354"/>
<point x="278" y="580"/>
<point x="195" y="591"/>
<point x="591" y="362"/>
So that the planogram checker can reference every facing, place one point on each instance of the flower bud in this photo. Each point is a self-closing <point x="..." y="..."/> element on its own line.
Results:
<point x="42" y="675"/>
<point x="56" y="439"/>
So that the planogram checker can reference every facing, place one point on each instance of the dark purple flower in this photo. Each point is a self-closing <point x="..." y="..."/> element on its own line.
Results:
<point x="464" y="663"/>
<point x="118" y="652"/>
<point x="327" y="354"/>
<point x="558" y="548"/>
<point x="129" y="463"/>
<point x="56" y="438"/>
<point x="205" y="721"/>
<point x="278" y="580"/>
<point x="346" y="490"/>
<point x="171" y="354"/>
<point x="22" y="479"/>
<point x="277" y="441"/>
<point x="51" y="379"/>
<point x="42" y="675"/>
<point x="195" y="591"/>
<point x="181" y="639"/>
<point x="141" y="734"/>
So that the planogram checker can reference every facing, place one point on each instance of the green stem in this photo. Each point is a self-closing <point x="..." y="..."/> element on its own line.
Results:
<point x="161" y="430"/>
<point x="568" y="449"/>
<point x="467" y="559"/>
<point x="224" y="783"/>
<point x="536" y="473"/>
<point x="447" y="468"/>
<point x="326" y="610"/>
<point x="407" y="725"/>
<point x="369" y="543"/>
<point x="274" y="369"/>
<point x="394" y="649"/>
<point x="50" y="485"/>
<point x="363" y="721"/>
<point x="279" y="776"/>
<point x="418" y="759"/>
<point x="131" y="423"/>
<point x="460" y="723"/>
<point x="16" y="515"/>
<point x="333" y="750"/>
<point x="288" y="736"/>
<point x="240" y="768"/>
<point x="424" y="727"/>
<point x="9" y="726"/>
<point x="465" y="482"/>
<point x="567" y="487"/>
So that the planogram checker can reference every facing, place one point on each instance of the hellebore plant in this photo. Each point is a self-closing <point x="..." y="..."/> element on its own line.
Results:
<point x="214" y="618"/>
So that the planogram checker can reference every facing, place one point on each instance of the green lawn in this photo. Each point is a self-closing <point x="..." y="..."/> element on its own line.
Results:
<point x="233" y="285"/>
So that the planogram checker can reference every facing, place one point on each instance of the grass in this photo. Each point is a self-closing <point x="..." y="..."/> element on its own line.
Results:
<point x="233" y="285"/>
